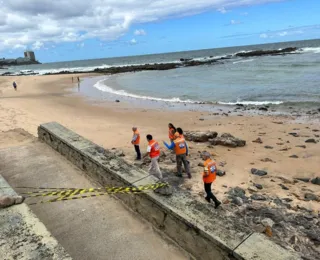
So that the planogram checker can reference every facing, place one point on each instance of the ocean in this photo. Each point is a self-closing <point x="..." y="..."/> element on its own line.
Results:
<point x="285" y="79"/>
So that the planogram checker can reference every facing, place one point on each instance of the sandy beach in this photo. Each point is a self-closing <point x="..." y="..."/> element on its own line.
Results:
<point x="41" y="99"/>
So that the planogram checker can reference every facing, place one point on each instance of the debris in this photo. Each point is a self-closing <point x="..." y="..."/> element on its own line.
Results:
<point x="258" y="197"/>
<point x="258" y="140"/>
<point x="294" y="156"/>
<point x="311" y="196"/>
<point x="283" y="186"/>
<point x="303" y="179"/>
<point x="311" y="141"/>
<point x="301" y="146"/>
<point x="268" y="147"/>
<point x="258" y="186"/>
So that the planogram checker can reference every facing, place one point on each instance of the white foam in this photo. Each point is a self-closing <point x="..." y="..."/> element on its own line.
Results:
<point x="256" y="103"/>
<point x="311" y="49"/>
<point x="102" y="87"/>
<point x="242" y="61"/>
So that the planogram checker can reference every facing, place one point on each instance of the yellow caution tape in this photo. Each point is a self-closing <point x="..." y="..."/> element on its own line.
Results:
<point x="106" y="190"/>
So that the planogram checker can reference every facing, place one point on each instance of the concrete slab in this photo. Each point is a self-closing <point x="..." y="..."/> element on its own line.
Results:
<point x="23" y="236"/>
<point x="258" y="247"/>
<point x="94" y="228"/>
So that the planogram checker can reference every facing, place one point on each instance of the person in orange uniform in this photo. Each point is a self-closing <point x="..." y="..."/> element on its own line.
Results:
<point x="180" y="148"/>
<point x="153" y="151"/>
<point x="172" y="131"/>
<point x="136" y="142"/>
<point x="209" y="176"/>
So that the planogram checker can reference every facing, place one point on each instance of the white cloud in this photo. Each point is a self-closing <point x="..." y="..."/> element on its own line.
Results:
<point x="140" y="32"/>
<point x="81" y="45"/>
<point x="37" y="45"/>
<point x="264" y="35"/>
<point x="133" y="41"/>
<point x="45" y="21"/>
<point x="233" y="22"/>
<point x="222" y="10"/>
<point x="283" y="33"/>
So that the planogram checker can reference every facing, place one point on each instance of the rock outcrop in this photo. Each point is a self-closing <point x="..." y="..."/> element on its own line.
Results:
<point x="229" y="140"/>
<point x="200" y="137"/>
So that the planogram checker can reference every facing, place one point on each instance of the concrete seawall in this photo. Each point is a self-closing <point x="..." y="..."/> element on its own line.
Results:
<point x="186" y="221"/>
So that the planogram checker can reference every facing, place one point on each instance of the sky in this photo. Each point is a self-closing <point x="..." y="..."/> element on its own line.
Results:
<point x="63" y="30"/>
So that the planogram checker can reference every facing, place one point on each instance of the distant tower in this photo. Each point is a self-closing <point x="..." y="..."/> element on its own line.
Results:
<point x="30" y="55"/>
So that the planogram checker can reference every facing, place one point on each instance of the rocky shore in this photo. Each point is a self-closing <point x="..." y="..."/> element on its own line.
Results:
<point x="170" y="65"/>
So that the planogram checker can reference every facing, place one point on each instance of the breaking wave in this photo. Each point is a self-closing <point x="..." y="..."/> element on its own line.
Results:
<point x="104" y="88"/>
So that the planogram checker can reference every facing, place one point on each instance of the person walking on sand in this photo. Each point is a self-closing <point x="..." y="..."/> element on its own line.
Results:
<point x="172" y="131"/>
<point x="181" y="150"/>
<point x="209" y="175"/>
<point x="153" y="151"/>
<point x="14" y="84"/>
<point x="180" y="131"/>
<point x="136" y="142"/>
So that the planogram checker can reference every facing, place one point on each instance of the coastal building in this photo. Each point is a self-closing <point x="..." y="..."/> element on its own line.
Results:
<point x="30" y="55"/>
<point x="28" y="59"/>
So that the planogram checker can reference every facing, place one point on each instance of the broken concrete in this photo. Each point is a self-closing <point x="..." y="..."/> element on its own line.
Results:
<point x="22" y="235"/>
<point x="188" y="222"/>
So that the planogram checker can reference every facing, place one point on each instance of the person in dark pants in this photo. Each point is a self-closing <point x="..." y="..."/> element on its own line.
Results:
<point x="14" y="85"/>
<point x="136" y="142"/>
<point x="181" y="150"/>
<point x="209" y="176"/>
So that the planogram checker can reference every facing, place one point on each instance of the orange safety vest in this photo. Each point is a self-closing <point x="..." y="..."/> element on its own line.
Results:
<point x="180" y="146"/>
<point x="171" y="134"/>
<point x="212" y="171"/>
<point x="137" y="141"/>
<point x="155" y="149"/>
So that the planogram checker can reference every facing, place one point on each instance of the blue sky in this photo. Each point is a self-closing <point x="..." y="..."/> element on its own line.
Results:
<point x="168" y="26"/>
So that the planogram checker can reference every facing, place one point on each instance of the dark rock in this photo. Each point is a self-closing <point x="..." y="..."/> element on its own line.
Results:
<point x="311" y="141"/>
<point x="267" y="160"/>
<point x="283" y="186"/>
<point x="239" y="105"/>
<point x="278" y="201"/>
<point x="166" y="190"/>
<point x="238" y="201"/>
<point x="294" y="134"/>
<point x="266" y="52"/>
<point x="301" y="146"/>
<point x="288" y="200"/>
<point x="268" y="147"/>
<point x="200" y="137"/>
<point x="258" y="140"/>
<point x="258" y="186"/>
<point x="263" y="108"/>
<point x="316" y="181"/>
<point x="237" y="192"/>
<point x="285" y="149"/>
<point x="294" y="156"/>
<point x="258" y="197"/>
<point x="315" y="130"/>
<point x="221" y="173"/>
<point x="311" y="196"/>
<point x="117" y="101"/>
<point x="228" y="140"/>
<point x="258" y="172"/>
<point x="303" y="179"/>
<point x="314" y="235"/>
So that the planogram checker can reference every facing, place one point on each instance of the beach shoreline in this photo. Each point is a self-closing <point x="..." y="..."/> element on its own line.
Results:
<point x="284" y="155"/>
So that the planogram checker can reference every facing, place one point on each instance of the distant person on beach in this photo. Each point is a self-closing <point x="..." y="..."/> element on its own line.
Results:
<point x="179" y="146"/>
<point x="153" y="151"/>
<point x="14" y="85"/>
<point x="136" y="142"/>
<point x="78" y="79"/>
<point x="172" y="131"/>
<point x="209" y="175"/>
